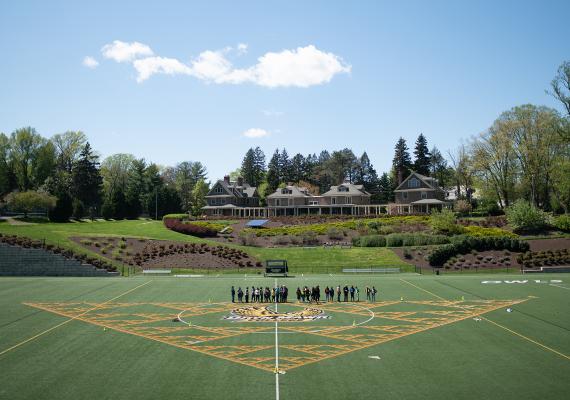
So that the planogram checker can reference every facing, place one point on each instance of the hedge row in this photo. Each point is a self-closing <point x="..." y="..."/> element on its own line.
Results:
<point x="189" y="229"/>
<point x="181" y="217"/>
<point x="399" y="240"/>
<point x="465" y="244"/>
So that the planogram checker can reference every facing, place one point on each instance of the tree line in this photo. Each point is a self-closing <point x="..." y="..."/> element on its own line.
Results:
<point x="65" y="175"/>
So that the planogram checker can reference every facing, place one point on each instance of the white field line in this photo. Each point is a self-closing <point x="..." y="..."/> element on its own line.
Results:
<point x="276" y="351"/>
<point x="558" y="286"/>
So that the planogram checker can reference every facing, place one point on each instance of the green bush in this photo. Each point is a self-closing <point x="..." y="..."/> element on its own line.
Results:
<point x="399" y="240"/>
<point x="335" y="234"/>
<point x="444" y="221"/>
<point x="562" y="222"/>
<point x="181" y="217"/>
<point x="464" y="244"/>
<point x="369" y="241"/>
<point x="484" y="232"/>
<point x="525" y="217"/>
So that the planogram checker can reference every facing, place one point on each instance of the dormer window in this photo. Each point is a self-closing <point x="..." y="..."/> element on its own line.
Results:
<point x="219" y="189"/>
<point x="342" y="189"/>
<point x="414" y="183"/>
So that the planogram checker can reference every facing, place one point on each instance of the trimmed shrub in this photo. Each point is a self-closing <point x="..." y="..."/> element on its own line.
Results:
<point x="370" y="241"/>
<point x="399" y="240"/>
<point x="181" y="217"/>
<point x="189" y="229"/>
<point x="525" y="217"/>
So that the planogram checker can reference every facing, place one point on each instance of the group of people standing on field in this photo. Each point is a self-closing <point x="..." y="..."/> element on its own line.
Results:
<point x="343" y="294"/>
<point x="277" y="294"/>
<point x="304" y="294"/>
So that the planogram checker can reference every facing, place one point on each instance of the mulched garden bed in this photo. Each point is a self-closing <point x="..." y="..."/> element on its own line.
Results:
<point x="147" y="253"/>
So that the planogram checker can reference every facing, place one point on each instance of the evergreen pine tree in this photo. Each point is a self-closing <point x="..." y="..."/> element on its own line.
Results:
<point x="248" y="168"/>
<point x="285" y="173"/>
<point x="422" y="156"/>
<point x="386" y="189"/>
<point x="87" y="180"/>
<point x="273" y="173"/>
<point x="136" y="188"/>
<point x="402" y="161"/>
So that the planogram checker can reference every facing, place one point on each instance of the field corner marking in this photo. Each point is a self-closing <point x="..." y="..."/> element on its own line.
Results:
<point x="69" y="320"/>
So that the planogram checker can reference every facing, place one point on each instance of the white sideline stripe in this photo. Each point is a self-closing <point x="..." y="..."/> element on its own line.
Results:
<point x="558" y="286"/>
<point x="276" y="352"/>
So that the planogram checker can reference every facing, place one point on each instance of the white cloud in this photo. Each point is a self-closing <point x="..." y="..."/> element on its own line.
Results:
<point x="255" y="133"/>
<point x="149" y="66"/>
<point x="242" y="48"/>
<point x="90" y="62"/>
<point x="122" y="51"/>
<point x="301" y="67"/>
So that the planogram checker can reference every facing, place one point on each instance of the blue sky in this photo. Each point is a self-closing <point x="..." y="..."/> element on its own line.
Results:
<point x="312" y="75"/>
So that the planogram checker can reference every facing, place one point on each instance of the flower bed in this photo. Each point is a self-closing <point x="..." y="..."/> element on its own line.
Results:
<point x="533" y="259"/>
<point x="354" y="224"/>
<point x="153" y="251"/>
<point x="479" y="231"/>
<point x="465" y="244"/>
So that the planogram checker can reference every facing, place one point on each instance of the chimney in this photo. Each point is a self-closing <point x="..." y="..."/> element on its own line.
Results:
<point x="240" y="181"/>
<point x="227" y="179"/>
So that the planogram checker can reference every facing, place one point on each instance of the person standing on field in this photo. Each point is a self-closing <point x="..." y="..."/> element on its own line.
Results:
<point x="373" y="293"/>
<point x="233" y="294"/>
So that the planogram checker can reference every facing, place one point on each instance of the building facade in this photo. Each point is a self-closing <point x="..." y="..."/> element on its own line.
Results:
<point x="416" y="194"/>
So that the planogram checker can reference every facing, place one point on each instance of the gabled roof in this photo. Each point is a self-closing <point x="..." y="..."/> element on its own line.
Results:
<point x="296" y="191"/>
<point x="429" y="181"/>
<point x="233" y="189"/>
<point x="353" y="190"/>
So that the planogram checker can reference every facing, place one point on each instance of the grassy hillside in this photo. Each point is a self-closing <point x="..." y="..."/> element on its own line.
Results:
<point x="300" y="259"/>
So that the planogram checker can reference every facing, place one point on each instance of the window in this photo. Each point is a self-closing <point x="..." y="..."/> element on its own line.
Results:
<point x="342" y="189"/>
<point x="313" y="203"/>
<point x="219" y="189"/>
<point x="405" y="195"/>
<point x="424" y="195"/>
<point x="348" y="200"/>
<point x="333" y="200"/>
<point x="413" y="183"/>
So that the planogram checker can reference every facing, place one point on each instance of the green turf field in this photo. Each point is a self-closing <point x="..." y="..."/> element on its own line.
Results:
<point x="446" y="337"/>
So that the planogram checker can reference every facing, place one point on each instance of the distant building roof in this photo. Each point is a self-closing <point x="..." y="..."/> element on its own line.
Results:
<point x="346" y="189"/>
<point x="257" y="223"/>
<point x="290" y="191"/>
<point x="428" y="201"/>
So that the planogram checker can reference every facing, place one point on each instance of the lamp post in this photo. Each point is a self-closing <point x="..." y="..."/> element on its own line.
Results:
<point x="156" y="203"/>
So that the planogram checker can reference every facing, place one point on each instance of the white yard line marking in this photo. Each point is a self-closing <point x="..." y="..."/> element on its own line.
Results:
<point x="558" y="286"/>
<point x="276" y="351"/>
